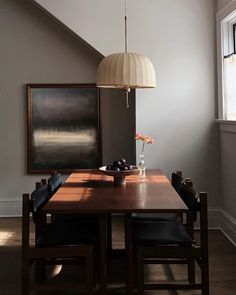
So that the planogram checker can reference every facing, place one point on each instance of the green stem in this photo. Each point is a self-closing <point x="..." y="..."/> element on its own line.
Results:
<point x="143" y="147"/>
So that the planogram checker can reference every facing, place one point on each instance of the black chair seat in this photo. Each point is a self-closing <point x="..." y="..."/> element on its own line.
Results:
<point x="160" y="233"/>
<point x="68" y="233"/>
<point x="154" y="216"/>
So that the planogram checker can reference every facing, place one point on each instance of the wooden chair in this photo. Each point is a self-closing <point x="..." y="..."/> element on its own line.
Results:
<point x="169" y="241"/>
<point x="62" y="240"/>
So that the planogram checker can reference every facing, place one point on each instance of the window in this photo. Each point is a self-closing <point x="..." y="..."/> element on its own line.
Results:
<point x="230" y="86"/>
<point x="226" y="44"/>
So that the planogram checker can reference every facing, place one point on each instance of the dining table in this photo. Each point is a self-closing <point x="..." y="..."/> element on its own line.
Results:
<point x="93" y="192"/>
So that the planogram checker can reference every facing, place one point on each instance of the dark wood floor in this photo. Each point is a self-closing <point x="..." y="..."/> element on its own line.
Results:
<point x="222" y="264"/>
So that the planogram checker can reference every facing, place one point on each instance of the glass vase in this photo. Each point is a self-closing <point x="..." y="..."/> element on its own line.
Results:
<point x="141" y="166"/>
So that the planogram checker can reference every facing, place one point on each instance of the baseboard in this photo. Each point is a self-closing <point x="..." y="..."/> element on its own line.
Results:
<point x="214" y="217"/>
<point x="12" y="208"/>
<point x="228" y="226"/>
<point x="218" y="218"/>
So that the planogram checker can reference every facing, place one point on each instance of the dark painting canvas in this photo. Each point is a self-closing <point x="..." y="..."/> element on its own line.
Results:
<point x="63" y="125"/>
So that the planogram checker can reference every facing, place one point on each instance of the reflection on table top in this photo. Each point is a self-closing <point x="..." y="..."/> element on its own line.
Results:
<point x="94" y="192"/>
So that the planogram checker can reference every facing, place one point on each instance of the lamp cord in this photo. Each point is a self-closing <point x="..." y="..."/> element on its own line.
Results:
<point x="127" y="98"/>
<point x="127" y="90"/>
<point x="126" y="45"/>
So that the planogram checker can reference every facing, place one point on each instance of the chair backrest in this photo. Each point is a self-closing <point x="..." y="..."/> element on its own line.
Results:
<point x="44" y="181"/>
<point x="190" y="198"/>
<point x="39" y="198"/>
<point x="54" y="183"/>
<point x="26" y="209"/>
<point x="38" y="185"/>
<point x="202" y="205"/>
<point x="177" y="180"/>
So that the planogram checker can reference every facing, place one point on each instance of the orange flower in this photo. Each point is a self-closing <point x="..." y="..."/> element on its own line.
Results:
<point x="144" y="139"/>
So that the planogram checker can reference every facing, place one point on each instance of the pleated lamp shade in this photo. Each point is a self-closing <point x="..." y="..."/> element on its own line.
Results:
<point x="126" y="70"/>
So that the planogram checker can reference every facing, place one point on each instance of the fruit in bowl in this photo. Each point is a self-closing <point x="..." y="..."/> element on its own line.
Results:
<point x="119" y="165"/>
<point x="119" y="169"/>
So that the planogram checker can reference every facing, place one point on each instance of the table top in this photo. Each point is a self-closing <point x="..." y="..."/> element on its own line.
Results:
<point x="94" y="192"/>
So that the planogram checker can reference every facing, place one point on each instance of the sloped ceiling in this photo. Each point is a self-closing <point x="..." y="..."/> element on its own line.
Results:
<point x="96" y="25"/>
<point x="101" y="23"/>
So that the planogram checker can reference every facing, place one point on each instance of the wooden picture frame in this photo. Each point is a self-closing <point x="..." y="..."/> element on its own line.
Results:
<point x="63" y="128"/>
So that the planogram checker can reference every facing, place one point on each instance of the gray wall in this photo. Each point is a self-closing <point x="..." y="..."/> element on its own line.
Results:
<point x="36" y="49"/>
<point x="228" y="155"/>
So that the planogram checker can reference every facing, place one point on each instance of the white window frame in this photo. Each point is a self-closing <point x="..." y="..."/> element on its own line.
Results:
<point x="225" y="20"/>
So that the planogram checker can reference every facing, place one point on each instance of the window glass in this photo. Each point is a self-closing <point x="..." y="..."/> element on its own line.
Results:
<point x="234" y="37"/>
<point x="230" y="86"/>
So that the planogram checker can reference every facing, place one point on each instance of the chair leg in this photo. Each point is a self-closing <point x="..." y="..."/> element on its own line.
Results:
<point x="95" y="265"/>
<point x="109" y="232"/>
<point x="89" y="271"/>
<point x="205" y="276"/>
<point x="25" y="271"/>
<point x="135" y="267"/>
<point x="191" y="271"/>
<point x="140" y="271"/>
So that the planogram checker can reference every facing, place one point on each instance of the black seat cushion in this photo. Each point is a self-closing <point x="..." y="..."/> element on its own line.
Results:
<point x="160" y="233"/>
<point x="68" y="233"/>
<point x="154" y="216"/>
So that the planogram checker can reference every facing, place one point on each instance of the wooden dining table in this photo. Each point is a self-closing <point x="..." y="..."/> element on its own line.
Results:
<point x="92" y="192"/>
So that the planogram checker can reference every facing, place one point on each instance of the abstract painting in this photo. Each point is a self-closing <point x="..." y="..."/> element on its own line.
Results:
<point x="63" y="127"/>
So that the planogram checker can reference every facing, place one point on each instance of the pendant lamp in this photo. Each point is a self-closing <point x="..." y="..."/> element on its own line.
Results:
<point x="126" y="70"/>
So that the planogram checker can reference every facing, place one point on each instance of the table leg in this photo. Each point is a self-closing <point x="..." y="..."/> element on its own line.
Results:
<point x="129" y="254"/>
<point x="103" y="258"/>
<point x="109" y="232"/>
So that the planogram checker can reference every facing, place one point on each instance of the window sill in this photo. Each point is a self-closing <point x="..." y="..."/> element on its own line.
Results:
<point x="227" y="125"/>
